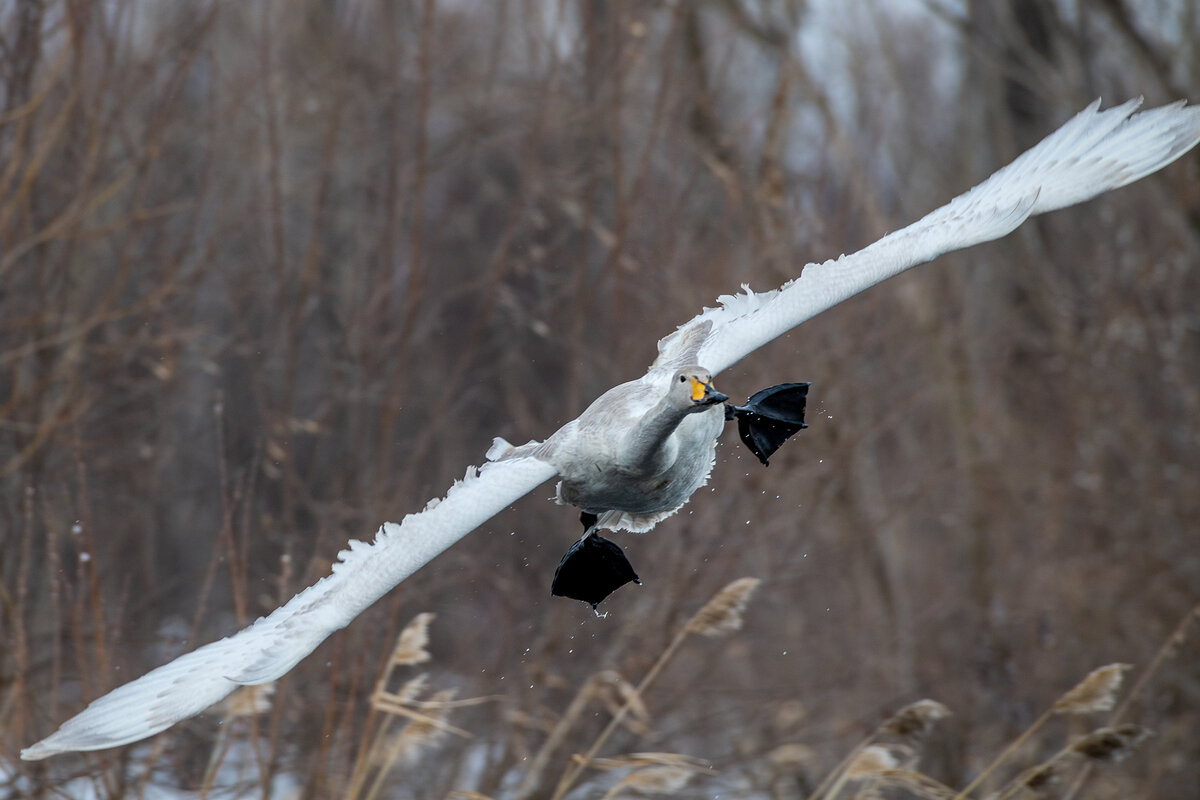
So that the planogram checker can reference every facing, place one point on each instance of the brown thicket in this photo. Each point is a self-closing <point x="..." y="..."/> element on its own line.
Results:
<point x="274" y="272"/>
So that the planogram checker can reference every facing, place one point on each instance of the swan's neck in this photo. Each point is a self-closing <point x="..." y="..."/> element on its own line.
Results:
<point x="649" y="448"/>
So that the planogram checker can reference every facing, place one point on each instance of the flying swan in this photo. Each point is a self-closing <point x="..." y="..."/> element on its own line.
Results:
<point x="637" y="453"/>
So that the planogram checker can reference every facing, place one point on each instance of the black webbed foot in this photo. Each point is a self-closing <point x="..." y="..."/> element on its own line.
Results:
<point x="591" y="570"/>
<point x="770" y="417"/>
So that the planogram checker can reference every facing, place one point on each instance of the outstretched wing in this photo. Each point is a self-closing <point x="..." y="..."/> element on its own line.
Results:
<point x="1095" y="151"/>
<point x="274" y="644"/>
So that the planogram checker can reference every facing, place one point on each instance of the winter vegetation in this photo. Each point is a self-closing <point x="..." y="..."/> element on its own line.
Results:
<point x="272" y="273"/>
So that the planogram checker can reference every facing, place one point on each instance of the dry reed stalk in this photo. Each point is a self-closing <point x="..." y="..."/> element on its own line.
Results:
<point x="643" y="760"/>
<point x="1008" y="751"/>
<point x="916" y="783"/>
<point x="669" y="760"/>
<point x="416" y="734"/>
<point x="470" y="701"/>
<point x="591" y="688"/>
<point x="410" y="645"/>
<point x="1177" y="637"/>
<point x="619" y="693"/>
<point x="871" y="764"/>
<point x="1103" y="745"/>
<point x="425" y="727"/>
<point x="417" y="631"/>
<point x="721" y="614"/>
<point x="430" y="720"/>
<point x="246" y="701"/>
<point x="911" y="722"/>
<point x="1096" y="692"/>
<point x="1036" y="779"/>
<point x="522" y="719"/>
<point x="409" y="691"/>
<point x="421" y="729"/>
<point x="1110" y="745"/>
<point x="661" y="780"/>
<point x="872" y="761"/>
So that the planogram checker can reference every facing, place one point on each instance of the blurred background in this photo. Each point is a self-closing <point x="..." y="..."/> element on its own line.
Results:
<point x="272" y="273"/>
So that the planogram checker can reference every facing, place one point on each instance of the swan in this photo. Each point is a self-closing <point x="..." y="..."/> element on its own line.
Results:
<point x="636" y="454"/>
<point x="1093" y="152"/>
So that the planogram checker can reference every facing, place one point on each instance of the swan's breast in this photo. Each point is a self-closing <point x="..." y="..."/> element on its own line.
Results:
<point x="597" y="480"/>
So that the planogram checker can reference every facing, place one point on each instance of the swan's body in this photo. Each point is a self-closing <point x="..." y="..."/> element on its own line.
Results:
<point x="636" y="454"/>
<point x="662" y="456"/>
<point x="1092" y="153"/>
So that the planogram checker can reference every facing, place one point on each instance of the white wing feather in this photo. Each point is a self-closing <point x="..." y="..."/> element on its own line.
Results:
<point x="1093" y="152"/>
<point x="274" y="644"/>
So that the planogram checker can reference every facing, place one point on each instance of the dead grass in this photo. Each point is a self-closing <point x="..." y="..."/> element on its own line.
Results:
<point x="271" y="273"/>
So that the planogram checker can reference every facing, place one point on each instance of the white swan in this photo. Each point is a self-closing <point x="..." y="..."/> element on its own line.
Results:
<point x="1093" y="152"/>
<point x="635" y="456"/>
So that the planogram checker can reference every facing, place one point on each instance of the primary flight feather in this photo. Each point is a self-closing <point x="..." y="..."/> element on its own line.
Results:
<point x="637" y="428"/>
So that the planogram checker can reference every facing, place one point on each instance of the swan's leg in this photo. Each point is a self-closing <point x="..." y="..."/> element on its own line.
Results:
<point x="770" y="417"/>
<point x="593" y="568"/>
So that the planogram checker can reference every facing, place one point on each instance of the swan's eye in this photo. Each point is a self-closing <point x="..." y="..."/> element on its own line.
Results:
<point x="683" y="379"/>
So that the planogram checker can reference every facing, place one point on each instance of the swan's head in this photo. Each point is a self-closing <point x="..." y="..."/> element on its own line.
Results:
<point x="692" y="390"/>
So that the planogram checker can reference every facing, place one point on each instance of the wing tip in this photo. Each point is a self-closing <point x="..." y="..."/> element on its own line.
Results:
<point x="61" y="742"/>
<point x="36" y="752"/>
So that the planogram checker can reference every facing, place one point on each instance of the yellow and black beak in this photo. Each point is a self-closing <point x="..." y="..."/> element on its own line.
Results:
<point x="703" y="394"/>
